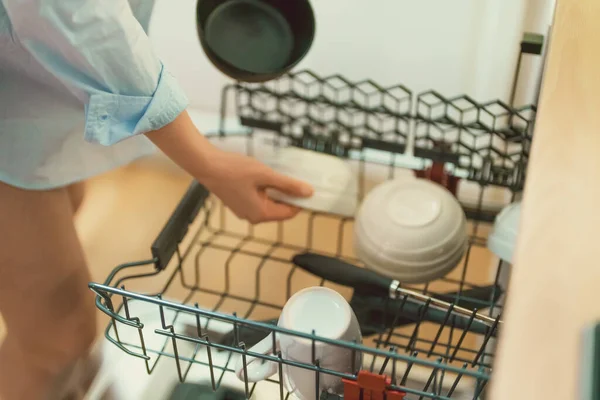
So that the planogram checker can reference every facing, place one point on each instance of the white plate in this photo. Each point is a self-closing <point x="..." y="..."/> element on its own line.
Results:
<point x="335" y="184"/>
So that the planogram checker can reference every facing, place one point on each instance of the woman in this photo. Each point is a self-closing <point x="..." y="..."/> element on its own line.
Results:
<point x="81" y="92"/>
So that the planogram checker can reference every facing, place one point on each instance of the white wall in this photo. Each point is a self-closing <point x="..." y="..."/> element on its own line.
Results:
<point x="452" y="46"/>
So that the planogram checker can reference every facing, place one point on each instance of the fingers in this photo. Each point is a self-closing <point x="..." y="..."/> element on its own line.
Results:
<point x="287" y="185"/>
<point x="267" y="210"/>
<point x="279" y="211"/>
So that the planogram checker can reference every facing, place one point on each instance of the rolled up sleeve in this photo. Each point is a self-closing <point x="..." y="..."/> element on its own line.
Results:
<point x="102" y="55"/>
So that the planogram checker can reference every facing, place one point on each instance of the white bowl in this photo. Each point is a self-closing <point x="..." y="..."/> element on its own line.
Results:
<point x="503" y="237"/>
<point x="335" y="184"/>
<point x="411" y="230"/>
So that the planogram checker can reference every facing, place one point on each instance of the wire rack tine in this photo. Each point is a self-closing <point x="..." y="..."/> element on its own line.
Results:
<point x="431" y="380"/>
<point x="245" y="368"/>
<point x="485" y="342"/>
<point x="463" y="335"/>
<point x="280" y="370"/>
<point x="441" y="328"/>
<point x="456" y="381"/>
<point x="413" y="337"/>
<point x="408" y="368"/>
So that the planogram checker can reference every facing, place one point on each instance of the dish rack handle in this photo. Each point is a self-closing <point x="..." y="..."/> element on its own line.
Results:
<point x="176" y="227"/>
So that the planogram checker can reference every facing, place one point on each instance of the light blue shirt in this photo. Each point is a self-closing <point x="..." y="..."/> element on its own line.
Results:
<point x="79" y="84"/>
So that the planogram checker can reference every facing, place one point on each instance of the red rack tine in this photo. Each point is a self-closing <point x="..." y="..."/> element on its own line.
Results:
<point x="437" y="172"/>
<point x="372" y="386"/>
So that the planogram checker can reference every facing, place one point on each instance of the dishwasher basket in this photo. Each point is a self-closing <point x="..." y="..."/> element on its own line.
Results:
<point x="214" y="282"/>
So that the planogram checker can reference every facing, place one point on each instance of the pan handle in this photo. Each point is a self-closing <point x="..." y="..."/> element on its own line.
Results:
<point x="343" y="273"/>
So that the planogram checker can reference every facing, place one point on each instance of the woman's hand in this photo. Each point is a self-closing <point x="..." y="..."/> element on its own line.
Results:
<point x="239" y="181"/>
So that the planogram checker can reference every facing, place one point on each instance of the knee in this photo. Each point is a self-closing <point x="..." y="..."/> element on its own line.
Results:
<point x="66" y="329"/>
<point x="74" y="317"/>
<point x="78" y="333"/>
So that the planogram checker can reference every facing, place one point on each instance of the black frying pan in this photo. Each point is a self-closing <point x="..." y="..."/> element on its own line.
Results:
<point x="255" y="40"/>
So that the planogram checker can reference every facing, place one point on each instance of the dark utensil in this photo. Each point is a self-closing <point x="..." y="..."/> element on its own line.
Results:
<point x="194" y="391"/>
<point x="346" y="274"/>
<point x="250" y="336"/>
<point x="367" y="282"/>
<point x="376" y="314"/>
<point x="255" y="40"/>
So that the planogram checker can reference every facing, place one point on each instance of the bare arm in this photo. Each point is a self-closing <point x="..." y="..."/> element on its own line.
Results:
<point x="182" y="142"/>
<point x="239" y="181"/>
<point x="126" y="90"/>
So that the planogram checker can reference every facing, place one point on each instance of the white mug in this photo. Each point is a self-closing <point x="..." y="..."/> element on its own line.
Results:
<point x="330" y="316"/>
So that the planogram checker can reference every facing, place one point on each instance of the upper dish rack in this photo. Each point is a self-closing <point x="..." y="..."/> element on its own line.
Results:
<point x="487" y="142"/>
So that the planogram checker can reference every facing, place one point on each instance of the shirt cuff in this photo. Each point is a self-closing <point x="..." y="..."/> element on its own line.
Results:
<point x="111" y="118"/>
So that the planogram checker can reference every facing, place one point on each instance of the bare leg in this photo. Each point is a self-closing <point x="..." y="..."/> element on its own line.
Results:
<point x="44" y="299"/>
<point x="76" y="193"/>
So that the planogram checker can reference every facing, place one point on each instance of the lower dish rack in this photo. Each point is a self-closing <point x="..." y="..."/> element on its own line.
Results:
<point x="215" y="282"/>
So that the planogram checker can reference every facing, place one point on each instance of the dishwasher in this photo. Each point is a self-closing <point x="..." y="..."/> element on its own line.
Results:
<point x="215" y="285"/>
